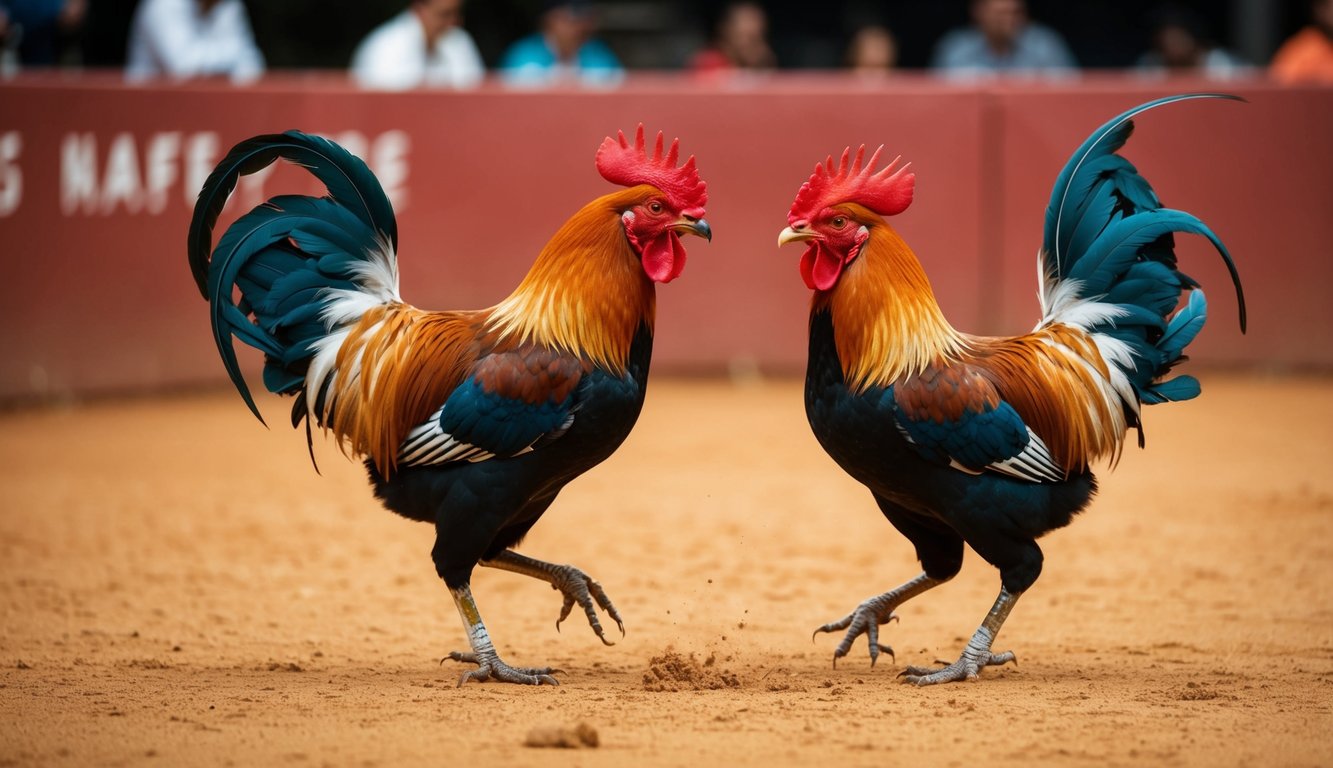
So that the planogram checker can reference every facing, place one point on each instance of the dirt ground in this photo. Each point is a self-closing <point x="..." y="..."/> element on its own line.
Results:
<point x="178" y="587"/>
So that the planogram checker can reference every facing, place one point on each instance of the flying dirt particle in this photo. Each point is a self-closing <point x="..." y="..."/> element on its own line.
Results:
<point x="674" y="671"/>
<point x="563" y="737"/>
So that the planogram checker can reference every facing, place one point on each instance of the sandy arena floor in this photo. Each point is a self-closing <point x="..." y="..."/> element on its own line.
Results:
<point x="179" y="588"/>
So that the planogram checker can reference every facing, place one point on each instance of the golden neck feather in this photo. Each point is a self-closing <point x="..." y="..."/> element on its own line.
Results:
<point x="886" y="322"/>
<point x="586" y="294"/>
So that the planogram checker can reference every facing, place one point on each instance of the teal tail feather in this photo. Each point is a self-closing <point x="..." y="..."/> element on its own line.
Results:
<point x="1108" y="239"/>
<point x="287" y="255"/>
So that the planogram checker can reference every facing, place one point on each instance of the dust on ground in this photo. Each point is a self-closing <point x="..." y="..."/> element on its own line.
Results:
<point x="673" y="671"/>
<point x="180" y="588"/>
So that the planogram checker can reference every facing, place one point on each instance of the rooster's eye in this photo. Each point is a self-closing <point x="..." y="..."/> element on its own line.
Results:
<point x="839" y="222"/>
<point x="655" y="207"/>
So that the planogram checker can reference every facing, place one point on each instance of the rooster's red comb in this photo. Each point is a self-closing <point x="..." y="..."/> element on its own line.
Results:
<point x="620" y="163"/>
<point x="887" y="192"/>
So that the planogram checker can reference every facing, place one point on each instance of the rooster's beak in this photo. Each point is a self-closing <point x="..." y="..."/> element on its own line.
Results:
<point x="693" y="226"/>
<point x="790" y="235"/>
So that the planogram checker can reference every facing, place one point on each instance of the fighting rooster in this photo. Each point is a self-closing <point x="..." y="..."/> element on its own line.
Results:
<point x="982" y="440"/>
<point x="470" y="420"/>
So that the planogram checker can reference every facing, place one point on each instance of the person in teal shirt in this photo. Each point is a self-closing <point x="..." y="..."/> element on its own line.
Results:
<point x="562" y="51"/>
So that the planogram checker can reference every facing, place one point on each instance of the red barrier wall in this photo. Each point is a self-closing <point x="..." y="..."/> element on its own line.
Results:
<point x="97" y="178"/>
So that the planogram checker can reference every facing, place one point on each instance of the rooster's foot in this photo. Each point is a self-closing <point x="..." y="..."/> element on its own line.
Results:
<point x="869" y="615"/>
<point x="977" y="654"/>
<point x="578" y="587"/>
<point x="865" y="620"/>
<point x="489" y="667"/>
<point x="967" y="667"/>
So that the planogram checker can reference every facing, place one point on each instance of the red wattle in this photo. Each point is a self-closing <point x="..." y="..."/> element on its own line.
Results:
<point x="664" y="257"/>
<point x="820" y="267"/>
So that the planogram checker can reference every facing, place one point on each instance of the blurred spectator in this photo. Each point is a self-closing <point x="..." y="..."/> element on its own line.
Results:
<point x="740" y="41"/>
<point x="1180" y="45"/>
<point x="9" y="63"/>
<point x="1307" y="57"/>
<point x="43" y="28"/>
<point x="424" y="45"/>
<point x="872" y="53"/>
<point x="192" y="38"/>
<point x="563" y="50"/>
<point x="1002" y="40"/>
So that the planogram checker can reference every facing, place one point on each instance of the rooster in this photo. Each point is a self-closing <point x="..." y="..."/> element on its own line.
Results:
<point x="472" y="420"/>
<point x="978" y="440"/>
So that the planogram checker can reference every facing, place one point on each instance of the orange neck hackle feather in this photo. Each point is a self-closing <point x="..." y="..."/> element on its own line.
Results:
<point x="587" y="293"/>
<point x="886" y="322"/>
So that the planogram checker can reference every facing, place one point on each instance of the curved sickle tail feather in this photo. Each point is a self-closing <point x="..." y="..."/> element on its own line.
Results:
<point x="1108" y="266"/>
<point x="292" y="258"/>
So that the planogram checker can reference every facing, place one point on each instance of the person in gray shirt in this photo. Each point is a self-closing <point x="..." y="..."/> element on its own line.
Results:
<point x="1002" y="41"/>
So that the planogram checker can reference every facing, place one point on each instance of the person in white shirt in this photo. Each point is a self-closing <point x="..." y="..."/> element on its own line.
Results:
<point x="423" y="45"/>
<point x="182" y="39"/>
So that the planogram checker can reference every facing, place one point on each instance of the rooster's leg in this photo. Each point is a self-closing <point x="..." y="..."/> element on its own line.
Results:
<point x="575" y="585"/>
<point x="867" y="617"/>
<point x="977" y="654"/>
<point x="489" y="665"/>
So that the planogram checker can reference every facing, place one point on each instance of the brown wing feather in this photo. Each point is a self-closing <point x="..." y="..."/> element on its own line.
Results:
<point x="396" y="367"/>
<point x="1057" y="382"/>
<point x="943" y="393"/>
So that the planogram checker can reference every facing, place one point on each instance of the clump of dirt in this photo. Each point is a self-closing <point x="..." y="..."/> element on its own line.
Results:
<point x="1195" y="692"/>
<point x="674" y="671"/>
<point x="563" y="737"/>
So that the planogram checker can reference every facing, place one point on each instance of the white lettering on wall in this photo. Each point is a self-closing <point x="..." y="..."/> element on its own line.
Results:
<point x="122" y="184"/>
<point x="11" y="175"/>
<point x="352" y="141"/>
<point x="78" y="173"/>
<point x="161" y="165"/>
<point x="201" y="154"/>
<point x="140" y="176"/>
<point x="388" y="158"/>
